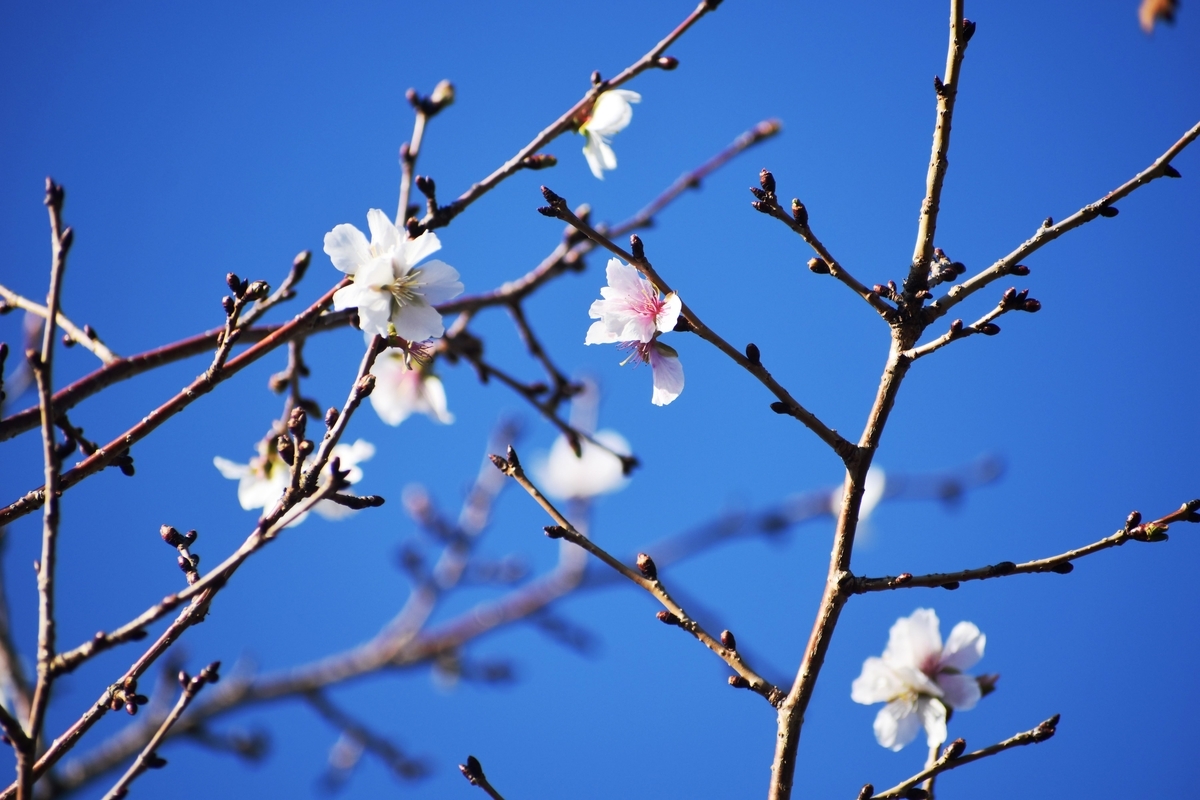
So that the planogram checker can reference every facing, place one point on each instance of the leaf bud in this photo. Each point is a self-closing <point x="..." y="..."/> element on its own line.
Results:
<point x="555" y="531"/>
<point x="753" y="355"/>
<point x="954" y="749"/>
<point x="1020" y="269"/>
<point x="171" y="536"/>
<point x="669" y="63"/>
<point x="818" y="266"/>
<point x="667" y="618"/>
<point x="990" y="329"/>
<point x="728" y="640"/>
<point x="956" y="327"/>
<point x="1032" y="306"/>
<point x="799" y="212"/>
<point x="184" y="678"/>
<point x="779" y="407"/>
<point x="154" y="761"/>
<point x="1047" y="222"/>
<point x="285" y="448"/>
<point x="738" y="682"/>
<point x="938" y="86"/>
<point x="968" y="30"/>
<point x="596" y="79"/>
<point x="1133" y="520"/>
<point x="1108" y="211"/>
<point x="1065" y="568"/>
<point x="903" y="578"/>
<point x="866" y="792"/>
<point x="637" y="248"/>
<point x="233" y="282"/>
<point x="1003" y="568"/>
<point x="950" y="585"/>
<point x="227" y="303"/>
<point x="646" y="564"/>
<point x="67" y="341"/>
<point x="539" y="161"/>
<point x="257" y="290"/>
<point x="1170" y="171"/>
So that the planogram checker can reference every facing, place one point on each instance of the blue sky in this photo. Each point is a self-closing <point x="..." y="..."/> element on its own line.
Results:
<point x="194" y="140"/>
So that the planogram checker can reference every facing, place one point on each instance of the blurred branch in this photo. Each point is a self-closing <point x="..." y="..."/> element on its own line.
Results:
<point x="949" y="761"/>
<point x="1134" y="530"/>
<point x="1049" y="231"/>
<point x="392" y="756"/>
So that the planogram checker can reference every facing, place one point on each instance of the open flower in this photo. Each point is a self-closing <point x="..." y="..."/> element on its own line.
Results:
<point x="632" y="308"/>
<point x="632" y="314"/>
<point x="389" y="287"/>
<point x="920" y="678"/>
<point x="610" y="115"/>
<point x="263" y="481"/>
<point x="404" y="387"/>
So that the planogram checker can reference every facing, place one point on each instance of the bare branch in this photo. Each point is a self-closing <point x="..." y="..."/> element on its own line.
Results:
<point x="149" y="758"/>
<point x="647" y="579"/>
<point x="75" y="335"/>
<point x="961" y="31"/>
<point x="1134" y="530"/>
<point x="1049" y="231"/>
<point x="1012" y="300"/>
<point x="946" y="763"/>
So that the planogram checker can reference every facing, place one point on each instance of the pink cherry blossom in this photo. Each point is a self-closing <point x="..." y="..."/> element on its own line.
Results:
<point x="632" y="309"/>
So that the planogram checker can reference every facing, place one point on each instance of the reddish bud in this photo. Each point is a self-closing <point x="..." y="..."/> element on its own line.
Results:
<point x="646" y="564"/>
<point x="667" y="62"/>
<point x="667" y="618"/>
<point x="728" y="641"/>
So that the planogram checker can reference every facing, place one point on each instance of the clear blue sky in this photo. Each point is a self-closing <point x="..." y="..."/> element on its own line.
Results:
<point x="195" y="139"/>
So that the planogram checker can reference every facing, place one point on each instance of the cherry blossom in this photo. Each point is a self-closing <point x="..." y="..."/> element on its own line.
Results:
<point x="263" y="481"/>
<point x="610" y="115"/>
<point x="632" y="308"/>
<point x="920" y="678"/>
<point x="873" y="489"/>
<point x="404" y="387"/>
<point x="389" y="288"/>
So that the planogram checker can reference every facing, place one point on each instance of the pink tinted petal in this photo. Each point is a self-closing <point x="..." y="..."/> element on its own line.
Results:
<point x="897" y="724"/>
<point x="961" y="692"/>
<point x="623" y="278"/>
<point x="668" y="314"/>
<point x="668" y="374"/>
<point x="347" y="248"/>
<point x="964" y="648"/>
<point x="637" y="329"/>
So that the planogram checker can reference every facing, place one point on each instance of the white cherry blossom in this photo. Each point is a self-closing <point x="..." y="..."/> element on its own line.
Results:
<point x="873" y="489"/>
<point x="263" y="481"/>
<point x="403" y="389"/>
<point x="610" y="115"/>
<point x="919" y="678"/>
<point x="389" y="287"/>
<point x="632" y="308"/>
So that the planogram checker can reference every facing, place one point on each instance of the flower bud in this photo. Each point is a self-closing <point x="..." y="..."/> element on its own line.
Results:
<point x="331" y="417"/>
<point x="866" y="792"/>
<point x="990" y="329"/>
<point x="1108" y="211"/>
<point x="189" y="538"/>
<point x="799" y="212"/>
<point x="554" y="531"/>
<point x="1133" y="520"/>
<point x="67" y="341"/>
<point x="171" y="536"/>
<point x="443" y="95"/>
<point x="903" y="578"/>
<point x="297" y="422"/>
<point x="184" y="678"/>
<point x="596" y="79"/>
<point x="752" y="354"/>
<point x="938" y="86"/>
<point x="233" y="282"/>
<point x="257" y="290"/>
<point x="1032" y="306"/>
<point x="669" y="63"/>
<point x="539" y="161"/>
<point x="738" y="682"/>
<point x="667" y="618"/>
<point x="779" y="407"/>
<point x="1047" y="222"/>
<point x="426" y="186"/>
<point x="1020" y="269"/>
<point x="646" y="564"/>
<point x="767" y="181"/>
<point x="954" y="749"/>
<point x="227" y="303"/>
<point x="286" y="450"/>
<point x="956" y="327"/>
<point x="968" y="30"/>
<point x="637" y="248"/>
<point x="950" y="585"/>
<point x="1065" y="568"/>
<point x="818" y="266"/>
<point x="728" y="640"/>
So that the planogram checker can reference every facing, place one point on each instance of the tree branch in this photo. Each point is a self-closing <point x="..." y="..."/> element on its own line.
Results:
<point x="84" y="336"/>
<point x="473" y="772"/>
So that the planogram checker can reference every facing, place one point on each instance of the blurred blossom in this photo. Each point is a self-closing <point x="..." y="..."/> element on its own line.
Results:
<point x="632" y="313"/>
<point x="263" y="481"/>
<point x="610" y="115"/>
<point x="388" y="288"/>
<point x="404" y="387"/>
<point x="919" y="679"/>
<point x="873" y="489"/>
<point x="596" y="471"/>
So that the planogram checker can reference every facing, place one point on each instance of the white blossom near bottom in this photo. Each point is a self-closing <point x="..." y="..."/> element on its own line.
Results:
<point x="403" y="389"/>
<point x="919" y="678"/>
<point x="665" y="367"/>
<point x="263" y="481"/>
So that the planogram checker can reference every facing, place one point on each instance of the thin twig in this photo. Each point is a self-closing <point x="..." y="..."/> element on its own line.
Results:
<point x="787" y="404"/>
<point x="83" y="336"/>
<point x="1033" y="736"/>
<point x="473" y="772"/>
<point x="286" y="291"/>
<point x="386" y="751"/>
<point x="947" y="90"/>
<point x="1134" y="530"/>
<point x="442" y="216"/>
<point x="1049" y="231"/>
<point x="149" y="758"/>
<point x="647" y="579"/>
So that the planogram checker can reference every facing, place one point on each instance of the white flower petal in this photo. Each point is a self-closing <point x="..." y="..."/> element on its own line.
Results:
<point x="350" y="456"/>
<point x="914" y="641"/>
<point x="258" y="491"/>
<point x="347" y="248"/>
<point x="612" y="112"/>
<point x="593" y="154"/>
<point x="564" y="475"/>
<point x="599" y="334"/>
<point x="438" y="282"/>
<point x="668" y="315"/>
<point x="961" y="692"/>
<point x="873" y="488"/>
<point x="897" y="724"/>
<point x="384" y="236"/>
<point x="964" y="648"/>
<point x="231" y="470"/>
<point x="668" y="374"/>
<point x="416" y="323"/>
<point x="423" y="246"/>
<point x="933" y="717"/>
<point x="878" y="683"/>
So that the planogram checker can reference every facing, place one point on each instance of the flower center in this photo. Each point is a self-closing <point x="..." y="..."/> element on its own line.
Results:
<point x="404" y="291"/>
